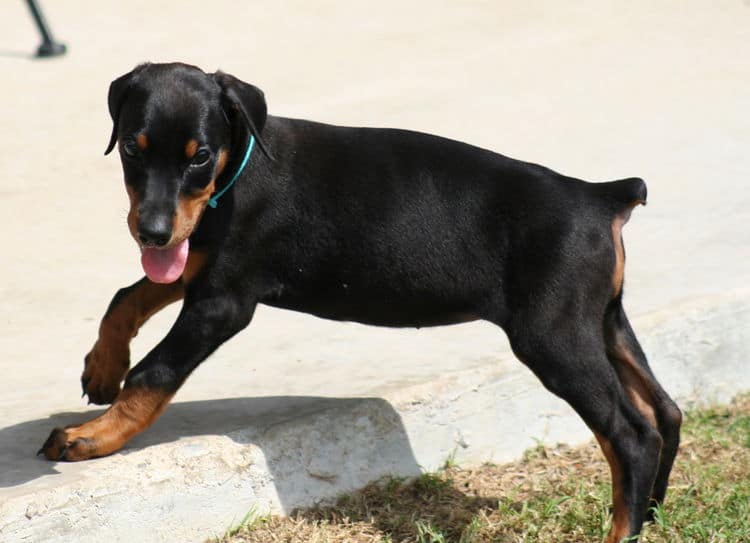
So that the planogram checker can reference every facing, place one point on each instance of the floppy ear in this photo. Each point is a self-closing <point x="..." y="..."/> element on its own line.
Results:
<point x="118" y="89"/>
<point x="244" y="103"/>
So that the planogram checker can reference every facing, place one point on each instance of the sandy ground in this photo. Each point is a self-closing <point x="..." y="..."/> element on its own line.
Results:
<point x="597" y="90"/>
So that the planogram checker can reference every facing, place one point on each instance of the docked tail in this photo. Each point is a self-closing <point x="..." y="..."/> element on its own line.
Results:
<point x="623" y="195"/>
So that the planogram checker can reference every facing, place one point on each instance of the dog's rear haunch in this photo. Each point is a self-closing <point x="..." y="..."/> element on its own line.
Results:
<point x="380" y="226"/>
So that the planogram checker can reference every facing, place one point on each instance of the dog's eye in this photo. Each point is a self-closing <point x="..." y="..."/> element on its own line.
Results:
<point x="201" y="157"/>
<point x="130" y="148"/>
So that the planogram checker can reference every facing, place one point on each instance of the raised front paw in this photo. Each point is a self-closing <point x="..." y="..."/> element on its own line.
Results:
<point x="104" y="369"/>
<point x="62" y="445"/>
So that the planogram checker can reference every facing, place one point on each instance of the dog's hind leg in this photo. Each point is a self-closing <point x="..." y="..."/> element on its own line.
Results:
<point x="569" y="356"/>
<point x="644" y="392"/>
<point x="108" y="361"/>
<point x="629" y="361"/>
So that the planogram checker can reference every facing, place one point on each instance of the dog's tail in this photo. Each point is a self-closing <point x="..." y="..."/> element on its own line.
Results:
<point x="624" y="194"/>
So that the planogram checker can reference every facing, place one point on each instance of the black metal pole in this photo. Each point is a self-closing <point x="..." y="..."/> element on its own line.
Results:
<point x="49" y="47"/>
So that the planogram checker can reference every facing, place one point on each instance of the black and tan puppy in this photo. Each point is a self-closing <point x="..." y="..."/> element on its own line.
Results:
<point x="384" y="227"/>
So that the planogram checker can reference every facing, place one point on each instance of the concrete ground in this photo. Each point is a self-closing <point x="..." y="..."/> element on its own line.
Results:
<point x="297" y="408"/>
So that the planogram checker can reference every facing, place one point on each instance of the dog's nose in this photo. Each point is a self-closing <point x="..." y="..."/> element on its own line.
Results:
<point x="155" y="232"/>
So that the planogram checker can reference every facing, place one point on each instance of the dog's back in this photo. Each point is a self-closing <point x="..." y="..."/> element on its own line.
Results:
<point x="400" y="228"/>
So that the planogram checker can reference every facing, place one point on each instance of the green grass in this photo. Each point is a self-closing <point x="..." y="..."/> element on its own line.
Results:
<point x="553" y="494"/>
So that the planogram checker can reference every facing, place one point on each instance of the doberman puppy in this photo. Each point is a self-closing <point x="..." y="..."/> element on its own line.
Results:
<point x="379" y="226"/>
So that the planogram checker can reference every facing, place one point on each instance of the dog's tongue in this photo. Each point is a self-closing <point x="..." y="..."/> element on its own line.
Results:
<point x="165" y="265"/>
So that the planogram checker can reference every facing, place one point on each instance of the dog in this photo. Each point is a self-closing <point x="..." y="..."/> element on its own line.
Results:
<point x="233" y="207"/>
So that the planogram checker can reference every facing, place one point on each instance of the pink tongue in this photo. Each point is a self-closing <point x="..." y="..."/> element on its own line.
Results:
<point x="165" y="265"/>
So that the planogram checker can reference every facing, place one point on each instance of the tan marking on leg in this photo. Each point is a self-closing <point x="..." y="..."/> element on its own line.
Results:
<point x="149" y="298"/>
<point x="191" y="147"/>
<point x="141" y="141"/>
<point x="134" y="410"/>
<point x="125" y="319"/>
<point x="636" y="383"/>
<point x="619" y="271"/>
<point x="620" y="514"/>
<point x="619" y="221"/>
<point x="109" y="359"/>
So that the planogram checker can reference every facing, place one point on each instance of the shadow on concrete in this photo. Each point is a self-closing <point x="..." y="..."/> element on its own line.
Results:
<point x="399" y="508"/>
<point x="353" y="440"/>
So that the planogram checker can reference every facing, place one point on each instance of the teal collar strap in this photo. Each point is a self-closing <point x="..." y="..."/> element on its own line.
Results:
<point x="214" y="200"/>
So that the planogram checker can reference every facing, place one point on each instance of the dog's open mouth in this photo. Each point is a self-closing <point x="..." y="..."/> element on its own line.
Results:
<point x="165" y="265"/>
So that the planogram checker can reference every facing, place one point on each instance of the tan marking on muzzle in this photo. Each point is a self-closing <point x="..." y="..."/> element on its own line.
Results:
<point x="190" y="208"/>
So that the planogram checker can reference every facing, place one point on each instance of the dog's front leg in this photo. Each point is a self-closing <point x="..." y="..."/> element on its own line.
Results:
<point x="205" y="322"/>
<point x="109" y="359"/>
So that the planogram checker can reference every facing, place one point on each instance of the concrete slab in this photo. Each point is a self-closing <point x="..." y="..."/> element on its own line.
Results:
<point x="297" y="408"/>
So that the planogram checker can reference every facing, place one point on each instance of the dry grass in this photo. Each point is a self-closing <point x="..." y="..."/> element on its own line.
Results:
<point x="558" y="494"/>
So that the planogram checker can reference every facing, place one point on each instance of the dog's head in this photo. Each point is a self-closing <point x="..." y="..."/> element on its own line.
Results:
<point x="179" y="129"/>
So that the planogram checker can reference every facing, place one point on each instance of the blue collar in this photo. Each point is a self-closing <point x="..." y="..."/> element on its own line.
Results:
<point x="214" y="200"/>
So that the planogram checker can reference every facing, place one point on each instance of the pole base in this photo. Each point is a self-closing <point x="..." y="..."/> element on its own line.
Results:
<point x="51" y="49"/>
